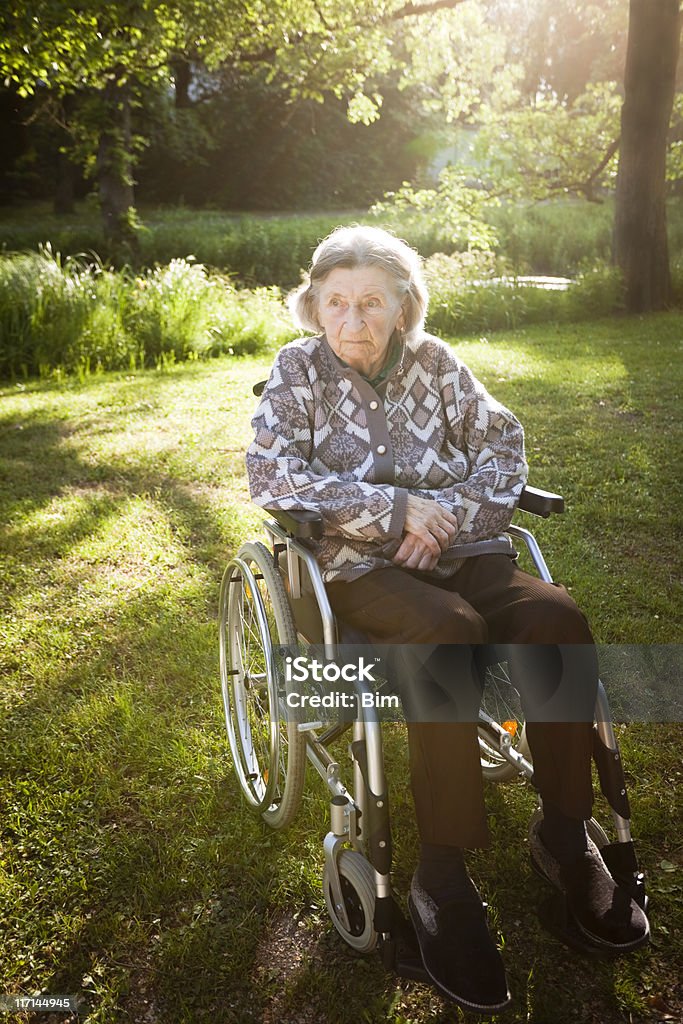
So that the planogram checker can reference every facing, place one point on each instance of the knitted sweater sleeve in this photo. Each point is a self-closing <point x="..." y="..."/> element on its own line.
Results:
<point x="492" y="440"/>
<point x="282" y="465"/>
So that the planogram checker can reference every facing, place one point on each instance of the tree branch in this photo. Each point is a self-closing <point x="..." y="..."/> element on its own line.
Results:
<point x="410" y="9"/>
<point x="611" y="150"/>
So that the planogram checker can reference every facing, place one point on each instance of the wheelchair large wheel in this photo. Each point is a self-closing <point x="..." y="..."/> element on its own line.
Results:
<point x="358" y="892"/>
<point x="502" y="702"/>
<point x="269" y="753"/>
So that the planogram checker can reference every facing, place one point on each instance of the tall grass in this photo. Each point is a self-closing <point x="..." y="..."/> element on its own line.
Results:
<point x="78" y="317"/>
<point x="553" y="238"/>
<point x="74" y="317"/>
<point x="464" y="301"/>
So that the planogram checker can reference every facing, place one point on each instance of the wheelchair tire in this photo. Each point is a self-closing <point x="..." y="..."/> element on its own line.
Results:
<point x="268" y="751"/>
<point x="501" y="702"/>
<point x="358" y="890"/>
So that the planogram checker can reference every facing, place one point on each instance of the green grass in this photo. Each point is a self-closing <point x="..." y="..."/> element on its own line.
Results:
<point x="64" y="311"/>
<point x="73" y="316"/>
<point x="130" y="869"/>
<point x="561" y="237"/>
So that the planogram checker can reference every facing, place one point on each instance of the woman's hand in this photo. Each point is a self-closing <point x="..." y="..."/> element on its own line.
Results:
<point x="414" y="554"/>
<point x="429" y="530"/>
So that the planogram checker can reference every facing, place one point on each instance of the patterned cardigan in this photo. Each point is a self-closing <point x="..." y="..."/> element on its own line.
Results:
<point x="324" y="439"/>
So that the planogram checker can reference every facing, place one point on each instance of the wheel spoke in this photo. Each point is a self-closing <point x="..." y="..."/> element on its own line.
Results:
<point x="258" y="619"/>
<point x="502" y="703"/>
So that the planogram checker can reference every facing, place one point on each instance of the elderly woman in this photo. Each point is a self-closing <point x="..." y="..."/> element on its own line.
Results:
<point x="416" y="471"/>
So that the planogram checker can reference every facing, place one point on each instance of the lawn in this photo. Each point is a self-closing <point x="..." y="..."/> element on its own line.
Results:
<point x="131" y="871"/>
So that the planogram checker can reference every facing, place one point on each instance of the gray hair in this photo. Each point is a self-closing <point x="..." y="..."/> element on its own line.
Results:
<point x="359" y="246"/>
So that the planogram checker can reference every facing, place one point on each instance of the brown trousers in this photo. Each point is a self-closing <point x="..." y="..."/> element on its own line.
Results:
<point x="488" y="601"/>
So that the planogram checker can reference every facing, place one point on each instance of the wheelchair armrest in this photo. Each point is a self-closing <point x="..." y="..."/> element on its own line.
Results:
<point x="540" y="503"/>
<point x="306" y="524"/>
<point x="301" y="523"/>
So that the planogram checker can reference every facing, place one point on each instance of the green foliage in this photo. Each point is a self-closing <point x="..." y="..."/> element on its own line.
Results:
<point x="175" y="311"/>
<point x="460" y="62"/>
<point x="553" y="147"/>
<point x="310" y="48"/>
<point x="78" y="317"/>
<point x="677" y="282"/>
<point x="76" y="314"/>
<point x="249" y="146"/>
<point x="598" y="291"/>
<point x="558" y="237"/>
<point x="541" y="81"/>
<point x="456" y="205"/>
<point x="674" y="161"/>
<point x="548" y="238"/>
<point x="466" y="298"/>
<point x="181" y="312"/>
<point x="257" y="250"/>
<point x="67" y="314"/>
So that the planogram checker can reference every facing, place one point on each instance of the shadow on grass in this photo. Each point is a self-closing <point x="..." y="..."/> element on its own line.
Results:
<point x="177" y="904"/>
<point x="135" y="872"/>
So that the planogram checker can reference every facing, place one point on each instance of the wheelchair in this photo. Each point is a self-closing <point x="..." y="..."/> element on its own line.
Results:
<point x="273" y="597"/>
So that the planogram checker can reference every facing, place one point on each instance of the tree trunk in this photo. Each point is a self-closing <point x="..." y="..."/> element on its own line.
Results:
<point x="65" y="182"/>
<point x="182" y="77"/>
<point x="640" y="240"/>
<point x="63" y="200"/>
<point x="115" y="172"/>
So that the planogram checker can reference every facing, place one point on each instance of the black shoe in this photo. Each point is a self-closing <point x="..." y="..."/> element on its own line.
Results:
<point x="602" y="912"/>
<point x="458" y="952"/>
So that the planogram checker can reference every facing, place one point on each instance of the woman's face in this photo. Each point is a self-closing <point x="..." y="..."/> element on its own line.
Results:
<point x="359" y="310"/>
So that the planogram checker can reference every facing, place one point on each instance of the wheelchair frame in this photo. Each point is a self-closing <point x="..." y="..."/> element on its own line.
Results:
<point x="357" y="848"/>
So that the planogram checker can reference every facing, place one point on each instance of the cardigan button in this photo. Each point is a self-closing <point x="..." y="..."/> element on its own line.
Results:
<point x="381" y="449"/>
<point x="374" y="404"/>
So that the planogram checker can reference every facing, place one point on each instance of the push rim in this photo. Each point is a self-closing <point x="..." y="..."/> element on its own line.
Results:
<point x="248" y="681"/>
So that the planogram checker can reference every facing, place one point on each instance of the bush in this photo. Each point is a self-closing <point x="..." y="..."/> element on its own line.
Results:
<point x="79" y="317"/>
<point x="677" y="282"/>
<point x="174" y="311"/>
<point x="597" y="291"/>
<point x="60" y="314"/>
<point x="258" y="321"/>
<point x="466" y="297"/>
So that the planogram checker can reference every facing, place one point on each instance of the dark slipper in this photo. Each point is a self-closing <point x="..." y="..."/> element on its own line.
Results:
<point x="602" y="912"/>
<point x="458" y="952"/>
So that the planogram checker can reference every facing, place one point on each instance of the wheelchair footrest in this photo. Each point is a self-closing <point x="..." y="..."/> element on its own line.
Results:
<point x="555" y="918"/>
<point x="412" y="969"/>
<point x="402" y="953"/>
<point x="621" y="862"/>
